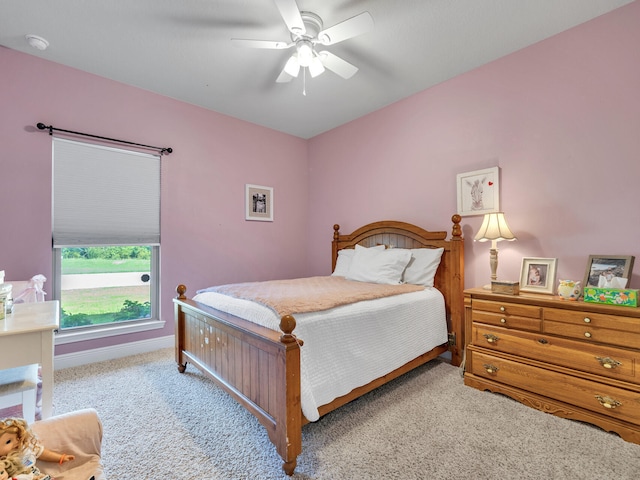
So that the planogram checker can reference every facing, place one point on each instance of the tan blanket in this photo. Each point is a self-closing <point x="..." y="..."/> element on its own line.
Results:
<point x="312" y="294"/>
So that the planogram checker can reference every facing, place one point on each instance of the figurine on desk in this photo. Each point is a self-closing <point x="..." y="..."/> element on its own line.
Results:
<point x="34" y="291"/>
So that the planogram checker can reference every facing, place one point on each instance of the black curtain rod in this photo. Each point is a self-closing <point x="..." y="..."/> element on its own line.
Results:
<point x="51" y="128"/>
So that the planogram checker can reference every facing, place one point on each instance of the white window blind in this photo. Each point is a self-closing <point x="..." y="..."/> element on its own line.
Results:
<point x="104" y="195"/>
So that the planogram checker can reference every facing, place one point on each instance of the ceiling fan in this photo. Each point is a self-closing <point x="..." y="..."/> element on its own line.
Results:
<point x="307" y="33"/>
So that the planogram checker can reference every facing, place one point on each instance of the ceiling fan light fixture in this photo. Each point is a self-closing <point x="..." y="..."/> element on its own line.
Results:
<point x="315" y="67"/>
<point x="292" y="67"/>
<point x="305" y="53"/>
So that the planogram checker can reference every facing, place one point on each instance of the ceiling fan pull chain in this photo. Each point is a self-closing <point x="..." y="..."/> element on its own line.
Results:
<point x="304" y="81"/>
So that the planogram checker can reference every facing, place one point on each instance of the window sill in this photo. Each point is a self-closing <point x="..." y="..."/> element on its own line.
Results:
<point x="82" y="335"/>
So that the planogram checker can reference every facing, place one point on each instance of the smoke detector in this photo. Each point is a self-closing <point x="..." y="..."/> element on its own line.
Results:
<point x="37" y="42"/>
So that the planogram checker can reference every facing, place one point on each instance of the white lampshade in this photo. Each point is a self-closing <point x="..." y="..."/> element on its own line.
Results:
<point x="316" y="67"/>
<point x="305" y="53"/>
<point x="494" y="227"/>
<point x="292" y="67"/>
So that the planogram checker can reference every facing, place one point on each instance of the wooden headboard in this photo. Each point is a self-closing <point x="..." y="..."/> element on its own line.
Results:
<point x="449" y="277"/>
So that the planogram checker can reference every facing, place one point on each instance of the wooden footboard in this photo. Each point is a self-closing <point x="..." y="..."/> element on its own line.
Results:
<point x="259" y="367"/>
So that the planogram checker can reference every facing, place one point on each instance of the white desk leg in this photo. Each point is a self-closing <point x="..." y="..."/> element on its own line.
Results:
<point x="47" y="374"/>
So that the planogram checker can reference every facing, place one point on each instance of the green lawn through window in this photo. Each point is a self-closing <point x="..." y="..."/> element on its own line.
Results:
<point x="103" y="304"/>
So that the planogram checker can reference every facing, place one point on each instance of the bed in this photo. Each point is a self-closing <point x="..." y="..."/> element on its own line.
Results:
<point x="261" y="367"/>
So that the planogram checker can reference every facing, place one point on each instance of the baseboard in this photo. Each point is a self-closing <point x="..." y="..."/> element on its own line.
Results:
<point x="85" y="357"/>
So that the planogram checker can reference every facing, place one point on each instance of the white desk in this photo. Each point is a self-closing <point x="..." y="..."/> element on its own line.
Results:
<point x="26" y="337"/>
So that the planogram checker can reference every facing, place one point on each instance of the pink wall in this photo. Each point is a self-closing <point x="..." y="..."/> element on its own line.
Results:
<point x="205" y="239"/>
<point x="560" y="118"/>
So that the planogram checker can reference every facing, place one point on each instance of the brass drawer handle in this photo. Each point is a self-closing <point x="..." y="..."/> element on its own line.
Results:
<point x="543" y="341"/>
<point x="587" y="334"/>
<point x="608" y="362"/>
<point x="502" y="309"/>
<point x="608" y="402"/>
<point x="587" y="320"/>
<point x="491" y="338"/>
<point x="503" y="320"/>
<point x="490" y="368"/>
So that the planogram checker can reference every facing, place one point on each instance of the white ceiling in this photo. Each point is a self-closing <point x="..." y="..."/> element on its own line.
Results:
<point x="182" y="49"/>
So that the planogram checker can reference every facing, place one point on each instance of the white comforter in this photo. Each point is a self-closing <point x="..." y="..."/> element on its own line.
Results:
<point x="349" y="346"/>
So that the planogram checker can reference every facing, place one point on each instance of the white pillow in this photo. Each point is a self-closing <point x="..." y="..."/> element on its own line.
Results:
<point x="422" y="268"/>
<point x="378" y="266"/>
<point x="344" y="260"/>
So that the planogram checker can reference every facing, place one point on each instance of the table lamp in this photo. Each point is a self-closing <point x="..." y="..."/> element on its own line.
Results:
<point x="494" y="227"/>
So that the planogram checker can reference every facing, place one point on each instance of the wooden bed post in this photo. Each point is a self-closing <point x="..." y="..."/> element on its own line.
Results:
<point x="178" y="316"/>
<point x="457" y="292"/>
<point x="334" y="247"/>
<point x="289" y="442"/>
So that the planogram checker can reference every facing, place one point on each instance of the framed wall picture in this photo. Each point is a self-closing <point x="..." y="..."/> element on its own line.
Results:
<point x="478" y="192"/>
<point x="538" y="275"/>
<point x="608" y="271"/>
<point x="258" y="203"/>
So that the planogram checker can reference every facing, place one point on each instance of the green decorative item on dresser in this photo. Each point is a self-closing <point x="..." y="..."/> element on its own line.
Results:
<point x="612" y="296"/>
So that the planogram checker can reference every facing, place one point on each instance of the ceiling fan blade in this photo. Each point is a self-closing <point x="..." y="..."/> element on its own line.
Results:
<point x="337" y="65"/>
<point x="351" y="27"/>
<point x="291" y="15"/>
<point x="244" y="42"/>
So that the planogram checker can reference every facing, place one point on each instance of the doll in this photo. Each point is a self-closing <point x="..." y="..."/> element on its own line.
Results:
<point x="18" y="441"/>
<point x="4" y="473"/>
<point x="11" y="468"/>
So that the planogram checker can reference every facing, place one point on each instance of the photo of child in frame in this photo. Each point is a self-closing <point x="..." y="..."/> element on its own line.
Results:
<point x="537" y="275"/>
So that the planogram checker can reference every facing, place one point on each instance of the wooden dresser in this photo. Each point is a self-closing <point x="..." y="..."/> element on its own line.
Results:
<point x="573" y="359"/>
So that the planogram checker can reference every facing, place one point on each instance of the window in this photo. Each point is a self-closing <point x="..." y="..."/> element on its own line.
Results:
<point x="106" y="239"/>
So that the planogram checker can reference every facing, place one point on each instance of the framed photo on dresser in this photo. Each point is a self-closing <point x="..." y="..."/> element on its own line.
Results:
<point x="608" y="271"/>
<point x="538" y="275"/>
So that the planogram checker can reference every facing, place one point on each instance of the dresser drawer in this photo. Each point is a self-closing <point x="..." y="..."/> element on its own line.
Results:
<point x="507" y="314"/>
<point x="591" y="333"/>
<point x="598" y="320"/>
<point x="507" y="308"/>
<point x="612" y="401"/>
<point x="602" y="360"/>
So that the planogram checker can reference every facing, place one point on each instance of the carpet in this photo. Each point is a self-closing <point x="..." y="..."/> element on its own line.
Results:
<point x="160" y="424"/>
